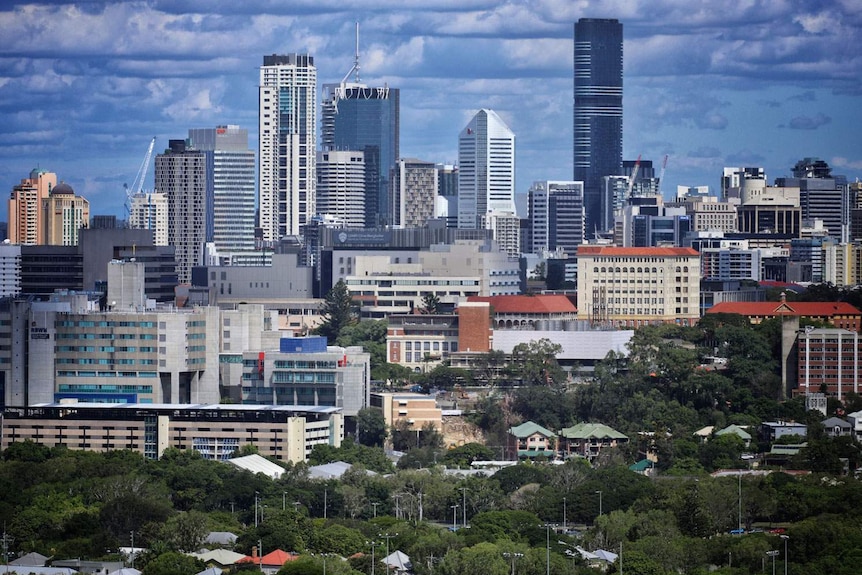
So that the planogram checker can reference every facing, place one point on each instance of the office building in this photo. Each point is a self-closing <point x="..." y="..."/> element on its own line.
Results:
<point x="10" y="270"/>
<point x="598" y="110"/>
<point x="486" y="169"/>
<point x="736" y="182"/>
<point x="556" y="212"/>
<point x="447" y="194"/>
<point x="181" y="174"/>
<point x="287" y="132"/>
<point x="25" y="207"/>
<point x="230" y="188"/>
<point x="341" y="187"/>
<point x="822" y="196"/>
<point x="63" y="216"/>
<point x="828" y="362"/>
<point x="364" y="118"/>
<point x="149" y="211"/>
<point x="413" y="198"/>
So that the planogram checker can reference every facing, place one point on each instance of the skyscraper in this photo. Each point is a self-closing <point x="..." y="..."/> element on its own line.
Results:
<point x="149" y="211"/>
<point x="486" y="169"/>
<point x="414" y="193"/>
<point x="287" y="124"/>
<point x="181" y="174"/>
<point x="63" y="215"/>
<point x="25" y="207"/>
<point x="556" y="216"/>
<point x="363" y="118"/>
<point x="341" y="187"/>
<point x="598" y="109"/>
<point x="230" y="191"/>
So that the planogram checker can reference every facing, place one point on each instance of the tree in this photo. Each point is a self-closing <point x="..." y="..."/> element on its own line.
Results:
<point x="430" y="304"/>
<point x="371" y="427"/>
<point x="338" y="312"/>
<point x="535" y="363"/>
<point x="173" y="563"/>
<point x="463" y="455"/>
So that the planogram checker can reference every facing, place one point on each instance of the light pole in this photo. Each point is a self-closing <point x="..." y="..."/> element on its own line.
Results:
<point x="786" y="538"/>
<point x="388" y="536"/>
<point x="739" y="477"/>
<point x="548" y="550"/>
<point x="600" y="503"/>
<point x="260" y="555"/>
<point x="283" y="500"/>
<point x="564" y="515"/>
<point x="256" y="497"/>
<point x="464" y="507"/>
<point x="372" y="554"/>
<point x="513" y="556"/>
<point x="772" y="554"/>
<point x="455" y="515"/>
<point x="374" y="504"/>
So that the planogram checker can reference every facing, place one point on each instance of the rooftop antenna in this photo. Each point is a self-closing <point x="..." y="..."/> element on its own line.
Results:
<point x="355" y="69"/>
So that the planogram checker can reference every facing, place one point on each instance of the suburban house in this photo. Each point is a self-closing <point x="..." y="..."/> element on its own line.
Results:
<point x="530" y="440"/>
<point x="588" y="439"/>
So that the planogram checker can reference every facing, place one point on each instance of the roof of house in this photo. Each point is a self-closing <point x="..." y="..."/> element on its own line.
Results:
<point x="705" y="431"/>
<point x="38" y="570"/>
<point x="591" y="431"/>
<point x="529" y="428"/>
<point x="277" y="557"/>
<point x="129" y="571"/>
<point x="536" y="304"/>
<point x="735" y="429"/>
<point x="31" y="559"/>
<point x="220" y="556"/>
<point x="211" y="571"/>
<point x="221" y="538"/>
<point x="335" y="469"/>
<point x="398" y="560"/>
<point x="837" y="422"/>
<point x="642" y="465"/>
<point x="630" y="251"/>
<point x="257" y="464"/>
<point x="796" y="308"/>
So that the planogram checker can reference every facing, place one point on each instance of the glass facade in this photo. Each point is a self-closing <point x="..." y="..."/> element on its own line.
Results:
<point x="598" y="109"/>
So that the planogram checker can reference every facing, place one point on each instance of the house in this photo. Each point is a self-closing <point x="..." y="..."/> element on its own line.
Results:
<point x="257" y="464"/>
<point x="269" y="563"/>
<point x="530" y="440"/>
<point x="588" y="439"/>
<point x="855" y="420"/>
<point x="837" y="427"/>
<point x="220" y="539"/>
<point x="398" y="562"/>
<point x="837" y="314"/>
<point x="773" y="430"/>
<point x="735" y="430"/>
<point x="221" y="558"/>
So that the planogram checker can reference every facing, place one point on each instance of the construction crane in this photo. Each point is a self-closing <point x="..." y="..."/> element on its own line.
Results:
<point x="661" y="173"/>
<point x="633" y="177"/>
<point x="138" y="184"/>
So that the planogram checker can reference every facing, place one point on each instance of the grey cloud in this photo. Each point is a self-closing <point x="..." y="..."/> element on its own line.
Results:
<point x="809" y="122"/>
<point x="704" y="152"/>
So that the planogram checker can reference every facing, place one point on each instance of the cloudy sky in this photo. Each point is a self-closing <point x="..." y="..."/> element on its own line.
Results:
<point x="84" y="86"/>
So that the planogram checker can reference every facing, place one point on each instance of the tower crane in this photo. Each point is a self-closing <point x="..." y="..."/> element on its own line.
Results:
<point x="661" y="174"/>
<point x="138" y="184"/>
<point x="633" y="177"/>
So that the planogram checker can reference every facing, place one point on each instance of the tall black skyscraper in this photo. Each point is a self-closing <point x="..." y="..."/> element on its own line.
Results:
<point x="598" y="110"/>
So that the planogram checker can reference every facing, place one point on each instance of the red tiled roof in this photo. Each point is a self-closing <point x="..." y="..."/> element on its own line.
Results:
<point x="800" y="308"/>
<point x="629" y="252"/>
<point x="277" y="557"/>
<point x="528" y="303"/>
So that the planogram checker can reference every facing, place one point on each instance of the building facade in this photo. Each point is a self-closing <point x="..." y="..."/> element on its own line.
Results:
<point x="363" y="118"/>
<point x="828" y="362"/>
<point x="287" y="132"/>
<point x="341" y="185"/>
<point x="556" y="216"/>
<point x="413" y="197"/>
<point x="486" y="169"/>
<point x="64" y="214"/>
<point x="638" y="286"/>
<point x="182" y="175"/>
<point x="149" y="211"/>
<point x="25" y="207"/>
<point x="598" y="109"/>
<point x="230" y="188"/>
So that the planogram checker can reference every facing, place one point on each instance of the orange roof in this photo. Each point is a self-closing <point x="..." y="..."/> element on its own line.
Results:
<point x="630" y="252"/>
<point x="528" y="303"/>
<point x="277" y="557"/>
<point x="800" y="308"/>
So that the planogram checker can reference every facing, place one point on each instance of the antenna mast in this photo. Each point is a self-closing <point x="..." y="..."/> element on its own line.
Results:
<point x="355" y="69"/>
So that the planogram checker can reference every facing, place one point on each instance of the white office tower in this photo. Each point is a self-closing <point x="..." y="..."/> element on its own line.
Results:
<point x="231" y="177"/>
<point x="486" y="174"/>
<point x="737" y="182"/>
<point x="287" y="125"/>
<point x="10" y="269"/>
<point x="341" y="187"/>
<point x="149" y="211"/>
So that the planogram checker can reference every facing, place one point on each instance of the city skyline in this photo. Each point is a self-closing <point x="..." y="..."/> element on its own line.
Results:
<point x="88" y="85"/>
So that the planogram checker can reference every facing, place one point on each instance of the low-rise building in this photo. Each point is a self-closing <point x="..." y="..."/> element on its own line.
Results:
<point x="828" y="362"/>
<point x="287" y="433"/>
<point x="837" y="314"/>
<point x="589" y="439"/>
<point x="530" y="440"/>
<point x="416" y="409"/>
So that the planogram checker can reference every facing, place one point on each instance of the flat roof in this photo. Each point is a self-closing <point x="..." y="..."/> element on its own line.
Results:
<point x="192" y="407"/>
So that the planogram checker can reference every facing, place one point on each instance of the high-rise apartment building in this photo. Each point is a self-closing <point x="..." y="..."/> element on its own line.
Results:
<point x="341" y="187"/>
<point x="287" y="132"/>
<point x="63" y="215"/>
<point x="181" y="174"/>
<point x="230" y="188"/>
<point x="149" y="211"/>
<point x="598" y="109"/>
<point x="556" y="211"/>
<point x="364" y="118"/>
<point x="486" y="169"/>
<point x="25" y="207"/>
<point x="414" y="193"/>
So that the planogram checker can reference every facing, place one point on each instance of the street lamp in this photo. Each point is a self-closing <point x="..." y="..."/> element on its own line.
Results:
<point x="374" y="505"/>
<point x="513" y="557"/>
<point x="600" y="502"/>
<point x="564" y="515"/>
<point x="455" y="515"/>
<point x="786" y="538"/>
<point x="464" y="506"/>
<point x="283" y="500"/>
<point x="256" y="499"/>
<point x="772" y="554"/>
<point x="388" y="536"/>
<point x="548" y="550"/>
<point x="372" y="543"/>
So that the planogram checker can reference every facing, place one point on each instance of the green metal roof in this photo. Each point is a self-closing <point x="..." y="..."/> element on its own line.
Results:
<point x="642" y="465"/>
<point x="592" y="431"/>
<point x="735" y="429"/>
<point x="529" y="428"/>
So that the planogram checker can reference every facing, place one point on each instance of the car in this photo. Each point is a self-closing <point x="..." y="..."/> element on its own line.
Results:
<point x="737" y="531"/>
<point x="778" y="530"/>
